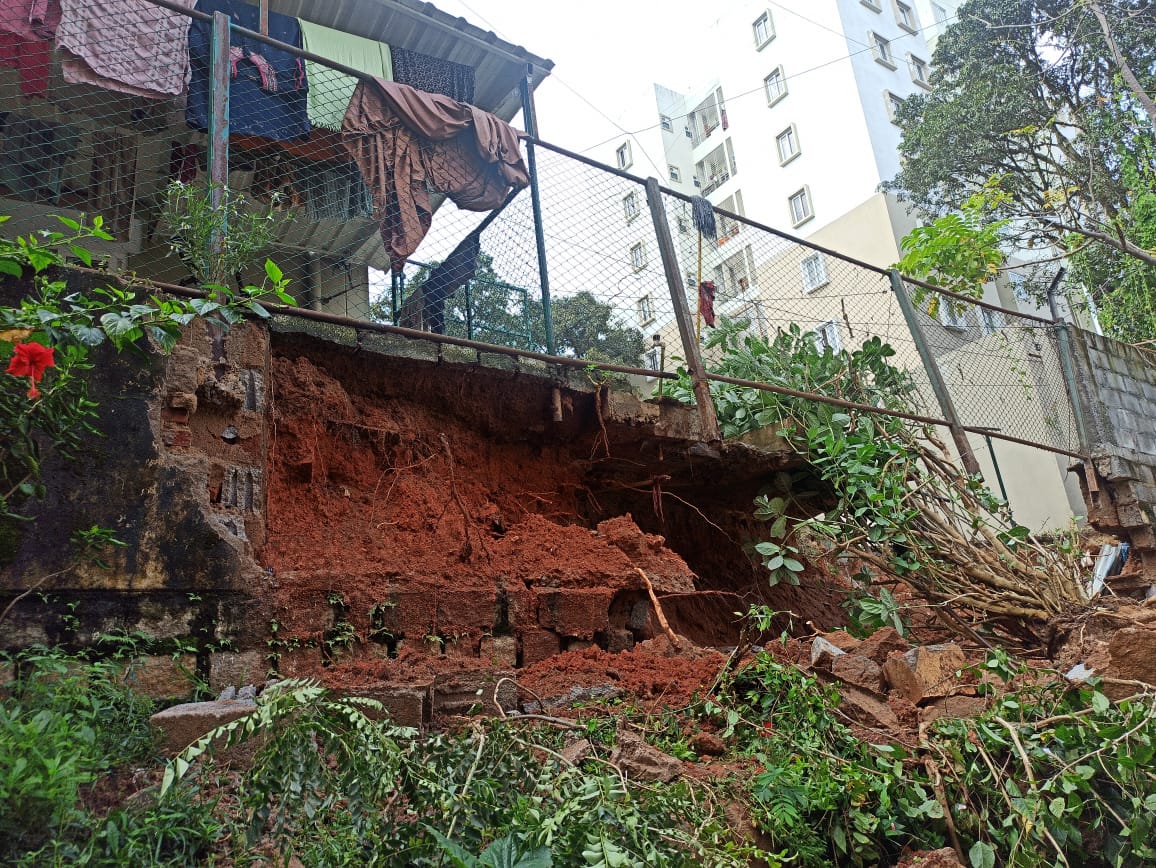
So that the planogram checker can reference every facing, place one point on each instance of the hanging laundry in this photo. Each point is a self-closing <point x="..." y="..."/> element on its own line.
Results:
<point x="268" y="91"/>
<point x="407" y="143"/>
<point x="34" y="156"/>
<point x="26" y="31"/>
<point x="330" y="90"/>
<point x="433" y="75"/>
<point x="706" y="294"/>
<point x="128" y="46"/>
<point x="447" y="278"/>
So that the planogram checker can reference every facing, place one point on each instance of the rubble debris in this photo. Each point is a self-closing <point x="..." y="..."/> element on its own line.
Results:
<point x="641" y="762"/>
<point x="925" y="672"/>
<point x="823" y="653"/>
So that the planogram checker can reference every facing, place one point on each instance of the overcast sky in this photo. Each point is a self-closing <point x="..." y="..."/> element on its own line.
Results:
<point x="607" y="52"/>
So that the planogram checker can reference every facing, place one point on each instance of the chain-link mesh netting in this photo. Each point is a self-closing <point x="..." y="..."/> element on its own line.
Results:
<point x="115" y="118"/>
<point x="92" y="121"/>
<point x="1002" y="369"/>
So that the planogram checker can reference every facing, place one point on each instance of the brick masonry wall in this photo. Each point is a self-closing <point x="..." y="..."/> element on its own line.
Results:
<point x="1116" y="386"/>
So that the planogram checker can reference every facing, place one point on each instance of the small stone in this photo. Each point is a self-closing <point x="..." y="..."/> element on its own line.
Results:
<point x="708" y="744"/>
<point x="228" y="693"/>
<point x="952" y="708"/>
<point x="248" y="692"/>
<point x="641" y="762"/>
<point x="823" y="653"/>
<point x="1079" y="673"/>
<point x="576" y="751"/>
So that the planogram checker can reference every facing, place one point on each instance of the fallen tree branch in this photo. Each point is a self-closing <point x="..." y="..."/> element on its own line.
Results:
<point x="658" y="613"/>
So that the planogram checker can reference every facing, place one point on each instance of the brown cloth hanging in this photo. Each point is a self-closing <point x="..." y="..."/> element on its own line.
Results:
<point x="407" y="143"/>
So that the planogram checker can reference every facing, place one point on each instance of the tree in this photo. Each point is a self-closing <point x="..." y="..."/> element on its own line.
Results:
<point x="1037" y="97"/>
<point x="500" y="313"/>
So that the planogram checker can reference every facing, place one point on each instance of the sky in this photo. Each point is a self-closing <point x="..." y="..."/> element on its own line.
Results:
<point x="606" y="59"/>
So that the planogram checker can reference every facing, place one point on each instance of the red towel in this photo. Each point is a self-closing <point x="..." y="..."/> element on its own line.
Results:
<point x="706" y="291"/>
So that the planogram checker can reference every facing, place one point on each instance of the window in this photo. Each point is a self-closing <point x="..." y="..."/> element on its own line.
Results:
<point x="918" y="68"/>
<point x="894" y="106"/>
<point x="675" y="174"/>
<point x="630" y="205"/>
<point x="990" y="321"/>
<point x="788" y="144"/>
<point x="775" y="85"/>
<point x="881" y="49"/>
<point x="905" y="17"/>
<point x="827" y="337"/>
<point x="683" y="224"/>
<point x="638" y="256"/>
<point x="939" y="12"/>
<point x="814" y="268"/>
<point x="645" y="308"/>
<point x="764" y="29"/>
<point x="622" y="155"/>
<point x="872" y="5"/>
<point x="951" y="314"/>
<point x="801" y="210"/>
<point x="653" y="358"/>
<point x="666" y="122"/>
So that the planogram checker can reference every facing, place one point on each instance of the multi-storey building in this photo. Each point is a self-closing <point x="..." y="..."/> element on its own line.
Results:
<point x="793" y="126"/>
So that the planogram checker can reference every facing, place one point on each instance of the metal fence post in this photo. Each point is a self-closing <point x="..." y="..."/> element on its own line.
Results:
<point x="938" y="386"/>
<point x="536" y="203"/>
<point x="1068" y="365"/>
<point x="219" y="129"/>
<point x="694" y="365"/>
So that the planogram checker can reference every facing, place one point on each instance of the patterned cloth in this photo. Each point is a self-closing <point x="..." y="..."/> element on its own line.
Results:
<point x="433" y="75"/>
<point x="128" y="46"/>
<point x="268" y="96"/>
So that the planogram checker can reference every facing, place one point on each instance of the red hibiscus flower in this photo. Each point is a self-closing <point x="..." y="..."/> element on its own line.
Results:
<point x="31" y="360"/>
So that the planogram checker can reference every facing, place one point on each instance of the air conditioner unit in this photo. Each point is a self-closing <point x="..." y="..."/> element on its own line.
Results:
<point x="697" y="182"/>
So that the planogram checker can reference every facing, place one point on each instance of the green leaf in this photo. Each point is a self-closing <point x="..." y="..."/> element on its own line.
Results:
<point x="82" y="254"/>
<point x="1100" y="703"/>
<point x="7" y="266"/>
<point x="273" y="272"/>
<point x="981" y="855"/>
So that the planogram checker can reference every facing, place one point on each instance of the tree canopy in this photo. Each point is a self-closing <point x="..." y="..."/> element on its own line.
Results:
<point x="500" y="313"/>
<point x="1050" y="100"/>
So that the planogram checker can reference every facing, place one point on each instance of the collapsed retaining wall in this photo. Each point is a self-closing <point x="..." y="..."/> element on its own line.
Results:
<point x="1116" y="386"/>
<point x="386" y="511"/>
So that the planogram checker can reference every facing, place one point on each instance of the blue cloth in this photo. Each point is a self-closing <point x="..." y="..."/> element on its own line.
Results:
<point x="268" y="94"/>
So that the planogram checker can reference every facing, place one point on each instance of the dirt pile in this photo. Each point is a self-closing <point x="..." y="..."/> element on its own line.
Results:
<point x="408" y="539"/>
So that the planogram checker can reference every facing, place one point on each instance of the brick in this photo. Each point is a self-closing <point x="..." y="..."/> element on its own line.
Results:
<point x="161" y="677"/>
<point x="299" y="662"/>
<point x="404" y="705"/>
<point x="478" y="692"/>
<point x="181" y="725"/>
<point x="879" y="645"/>
<point x="537" y="645"/>
<point x="476" y="608"/>
<point x="858" y="670"/>
<point x="618" y="641"/>
<point x="577" y="613"/>
<point x="499" y="651"/>
<point x="926" y="672"/>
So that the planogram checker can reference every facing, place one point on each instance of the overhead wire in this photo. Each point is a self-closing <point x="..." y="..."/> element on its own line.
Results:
<point x="791" y="77"/>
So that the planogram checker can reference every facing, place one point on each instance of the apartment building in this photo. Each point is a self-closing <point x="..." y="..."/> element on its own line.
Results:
<point x="794" y="127"/>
